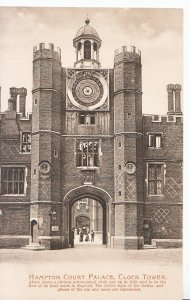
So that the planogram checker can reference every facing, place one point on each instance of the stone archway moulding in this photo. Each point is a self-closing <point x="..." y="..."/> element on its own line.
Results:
<point x="87" y="191"/>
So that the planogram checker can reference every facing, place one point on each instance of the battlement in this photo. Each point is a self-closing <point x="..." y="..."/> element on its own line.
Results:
<point x="164" y="119"/>
<point x="125" y="49"/>
<point x="125" y="54"/>
<point x="46" y="50"/>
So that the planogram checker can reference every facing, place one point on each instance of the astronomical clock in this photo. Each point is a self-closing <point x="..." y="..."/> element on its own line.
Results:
<point x="87" y="90"/>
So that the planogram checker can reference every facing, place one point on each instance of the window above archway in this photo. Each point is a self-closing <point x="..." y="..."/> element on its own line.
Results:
<point x="87" y="153"/>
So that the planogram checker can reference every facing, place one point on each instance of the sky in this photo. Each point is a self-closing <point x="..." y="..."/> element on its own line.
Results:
<point x="157" y="32"/>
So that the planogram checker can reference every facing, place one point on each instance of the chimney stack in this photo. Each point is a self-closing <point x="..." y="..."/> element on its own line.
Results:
<point x="22" y="100"/>
<point x="174" y="99"/>
<point x="12" y="102"/>
<point x="177" y="99"/>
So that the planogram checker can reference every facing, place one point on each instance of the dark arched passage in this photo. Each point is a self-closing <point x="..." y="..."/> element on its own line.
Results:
<point x="88" y="192"/>
<point x="82" y="221"/>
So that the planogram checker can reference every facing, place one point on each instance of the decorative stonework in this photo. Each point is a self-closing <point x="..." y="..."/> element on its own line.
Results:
<point x="119" y="180"/>
<point x="45" y="190"/>
<point x="130" y="189"/>
<point x="130" y="168"/>
<point x="160" y="215"/>
<point x="87" y="191"/>
<point x="9" y="151"/>
<point x="44" y="167"/>
<point x="173" y="189"/>
<point x="87" y="177"/>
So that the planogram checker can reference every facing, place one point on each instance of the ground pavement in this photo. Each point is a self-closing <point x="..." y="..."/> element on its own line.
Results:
<point x="91" y="272"/>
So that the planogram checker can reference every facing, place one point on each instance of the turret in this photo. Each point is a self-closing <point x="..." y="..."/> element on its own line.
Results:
<point x="128" y="89"/>
<point x="45" y="159"/>
<point x="128" y="147"/>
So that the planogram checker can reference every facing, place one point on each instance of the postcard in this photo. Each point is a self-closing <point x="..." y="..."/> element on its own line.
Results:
<point x="91" y="152"/>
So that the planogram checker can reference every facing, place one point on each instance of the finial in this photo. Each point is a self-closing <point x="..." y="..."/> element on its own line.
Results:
<point x="87" y="21"/>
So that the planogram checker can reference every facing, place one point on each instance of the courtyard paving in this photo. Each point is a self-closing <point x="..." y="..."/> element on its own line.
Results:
<point x="114" y="274"/>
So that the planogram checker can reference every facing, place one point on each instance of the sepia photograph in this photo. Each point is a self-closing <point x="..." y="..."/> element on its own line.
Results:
<point x="91" y="153"/>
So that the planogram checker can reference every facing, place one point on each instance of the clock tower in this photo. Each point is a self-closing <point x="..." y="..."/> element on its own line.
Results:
<point x="87" y="129"/>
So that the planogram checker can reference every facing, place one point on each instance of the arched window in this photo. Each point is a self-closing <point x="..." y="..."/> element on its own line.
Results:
<point x="87" y="50"/>
<point x="95" y="48"/>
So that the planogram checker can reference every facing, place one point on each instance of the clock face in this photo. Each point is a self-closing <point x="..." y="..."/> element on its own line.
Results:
<point x="87" y="90"/>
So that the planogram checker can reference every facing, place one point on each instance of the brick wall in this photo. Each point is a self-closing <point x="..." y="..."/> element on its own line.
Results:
<point x="15" y="219"/>
<point x="165" y="211"/>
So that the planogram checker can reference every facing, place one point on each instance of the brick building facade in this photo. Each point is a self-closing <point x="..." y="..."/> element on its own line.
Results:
<point x="88" y="139"/>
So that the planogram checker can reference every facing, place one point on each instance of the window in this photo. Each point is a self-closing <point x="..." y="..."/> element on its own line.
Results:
<point x="83" y="203"/>
<point x="56" y="153"/>
<point x="26" y="142"/>
<point x="156" y="118"/>
<point x="155" y="179"/>
<point x="87" y="50"/>
<point x="87" y="153"/>
<point x="87" y="118"/>
<point x="12" y="180"/>
<point x="155" y="140"/>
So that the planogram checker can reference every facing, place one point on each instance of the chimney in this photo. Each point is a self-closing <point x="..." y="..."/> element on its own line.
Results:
<point x="177" y="90"/>
<point x="12" y="102"/>
<point x="170" y="89"/>
<point x="22" y="100"/>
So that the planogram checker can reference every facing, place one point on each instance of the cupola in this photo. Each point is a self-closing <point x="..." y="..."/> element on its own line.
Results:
<point x="87" y="44"/>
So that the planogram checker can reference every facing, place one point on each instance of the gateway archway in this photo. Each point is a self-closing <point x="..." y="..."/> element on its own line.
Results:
<point x="87" y="192"/>
<point x="86" y="217"/>
<point x="82" y="222"/>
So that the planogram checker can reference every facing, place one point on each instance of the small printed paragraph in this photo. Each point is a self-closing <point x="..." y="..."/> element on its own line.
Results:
<point x="97" y="282"/>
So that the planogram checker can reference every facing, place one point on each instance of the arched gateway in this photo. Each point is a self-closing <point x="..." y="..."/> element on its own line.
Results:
<point x="92" y="192"/>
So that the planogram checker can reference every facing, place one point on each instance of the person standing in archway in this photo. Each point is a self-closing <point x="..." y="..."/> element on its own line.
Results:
<point x="87" y="237"/>
<point x="72" y="237"/>
<point x="81" y="236"/>
<point x="92" y="236"/>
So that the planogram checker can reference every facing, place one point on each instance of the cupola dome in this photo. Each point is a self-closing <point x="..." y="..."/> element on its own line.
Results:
<point x="87" y="43"/>
<point x="87" y="31"/>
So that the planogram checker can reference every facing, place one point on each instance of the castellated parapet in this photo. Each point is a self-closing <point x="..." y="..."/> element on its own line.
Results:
<point x="130" y="54"/>
<point x="164" y="119"/>
<point x="47" y="51"/>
